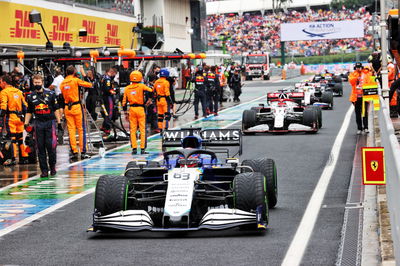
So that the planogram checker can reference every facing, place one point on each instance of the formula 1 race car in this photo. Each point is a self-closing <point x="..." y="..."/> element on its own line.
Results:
<point x="331" y="82"/>
<point x="314" y="94"/>
<point x="282" y="114"/>
<point x="191" y="189"/>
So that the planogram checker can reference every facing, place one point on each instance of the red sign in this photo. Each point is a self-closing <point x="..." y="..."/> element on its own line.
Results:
<point x="23" y="28"/>
<point x="60" y="29"/>
<point x="373" y="166"/>
<point x="112" y="35"/>
<point x="90" y="27"/>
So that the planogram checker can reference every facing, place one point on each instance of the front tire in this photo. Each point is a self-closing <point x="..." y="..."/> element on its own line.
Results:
<point x="249" y="119"/>
<point x="111" y="194"/>
<point x="249" y="193"/>
<point x="266" y="167"/>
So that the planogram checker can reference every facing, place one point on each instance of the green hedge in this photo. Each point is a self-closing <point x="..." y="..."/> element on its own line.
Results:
<point x="326" y="59"/>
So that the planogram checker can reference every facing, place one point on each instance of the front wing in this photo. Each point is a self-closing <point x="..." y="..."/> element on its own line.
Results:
<point x="214" y="219"/>
<point x="266" y="129"/>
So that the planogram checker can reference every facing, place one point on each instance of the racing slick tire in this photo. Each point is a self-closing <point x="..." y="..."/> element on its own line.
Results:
<point x="249" y="193"/>
<point x="111" y="194"/>
<point x="337" y="79"/>
<point x="319" y="113"/>
<point x="249" y="119"/>
<point x="327" y="97"/>
<point x="266" y="167"/>
<point x="266" y="77"/>
<point x="339" y="88"/>
<point x="310" y="117"/>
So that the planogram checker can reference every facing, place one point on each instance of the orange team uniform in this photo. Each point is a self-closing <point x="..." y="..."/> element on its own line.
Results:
<point x="391" y="77"/>
<point x="134" y="95"/>
<point x="162" y="88"/>
<point x="73" y="111"/>
<point x="13" y="104"/>
<point x="357" y="80"/>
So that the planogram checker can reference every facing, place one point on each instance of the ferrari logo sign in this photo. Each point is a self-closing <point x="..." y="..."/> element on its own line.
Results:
<point x="373" y="166"/>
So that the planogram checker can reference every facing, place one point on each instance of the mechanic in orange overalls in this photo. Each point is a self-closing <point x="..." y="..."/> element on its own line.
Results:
<point x="392" y="76"/>
<point x="358" y="78"/>
<point x="134" y="96"/>
<point x="13" y="106"/>
<point x="73" y="110"/>
<point x="161" y="87"/>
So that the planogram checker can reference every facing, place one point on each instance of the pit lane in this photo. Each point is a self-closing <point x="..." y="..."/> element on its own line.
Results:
<point x="60" y="236"/>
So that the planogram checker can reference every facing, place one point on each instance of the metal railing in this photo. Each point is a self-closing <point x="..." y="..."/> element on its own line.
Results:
<point x="392" y="158"/>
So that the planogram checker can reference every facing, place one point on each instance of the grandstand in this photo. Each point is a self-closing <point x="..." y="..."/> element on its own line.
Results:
<point x="243" y="31"/>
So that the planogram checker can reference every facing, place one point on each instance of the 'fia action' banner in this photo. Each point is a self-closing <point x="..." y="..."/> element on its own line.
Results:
<point x="322" y="30"/>
<point x="60" y="27"/>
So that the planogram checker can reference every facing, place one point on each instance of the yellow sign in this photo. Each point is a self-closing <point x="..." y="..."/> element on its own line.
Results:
<point x="61" y="27"/>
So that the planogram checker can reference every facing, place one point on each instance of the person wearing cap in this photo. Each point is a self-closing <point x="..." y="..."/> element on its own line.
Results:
<point x="161" y="87"/>
<point x="134" y="96"/>
<point x="361" y="76"/>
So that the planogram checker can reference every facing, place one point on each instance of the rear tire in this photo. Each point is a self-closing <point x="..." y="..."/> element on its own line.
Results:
<point x="327" y="97"/>
<point x="249" y="193"/>
<point x="310" y="117"/>
<point x="111" y="194"/>
<point x="339" y="88"/>
<point x="249" y="119"/>
<point x="266" y="167"/>
<point x="319" y="114"/>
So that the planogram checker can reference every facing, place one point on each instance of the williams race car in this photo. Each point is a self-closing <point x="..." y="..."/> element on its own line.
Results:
<point x="191" y="189"/>
<point x="282" y="114"/>
<point x="331" y="82"/>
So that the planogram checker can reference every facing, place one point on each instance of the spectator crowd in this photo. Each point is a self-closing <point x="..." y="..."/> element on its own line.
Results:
<point x="254" y="32"/>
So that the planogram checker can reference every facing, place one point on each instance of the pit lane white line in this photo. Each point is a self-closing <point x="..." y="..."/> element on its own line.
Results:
<point x="300" y="241"/>
<point x="59" y="205"/>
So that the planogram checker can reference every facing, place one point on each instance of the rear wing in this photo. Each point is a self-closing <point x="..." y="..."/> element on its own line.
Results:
<point x="297" y="96"/>
<point x="210" y="137"/>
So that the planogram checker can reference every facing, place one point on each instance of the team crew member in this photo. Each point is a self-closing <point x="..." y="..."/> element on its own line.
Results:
<point x="359" y="78"/>
<point x="73" y="110"/>
<point x="43" y="105"/>
<point x="134" y="96"/>
<point x="213" y="90"/>
<point x="13" y="107"/>
<point x="109" y="93"/>
<point x="200" y="94"/>
<point x="161" y="87"/>
<point x="236" y="85"/>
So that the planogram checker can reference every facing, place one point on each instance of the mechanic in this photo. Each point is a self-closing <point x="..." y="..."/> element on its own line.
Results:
<point x="358" y="78"/>
<point x="134" y="96"/>
<point x="200" y="94"/>
<point x="93" y="93"/>
<point x="43" y="105"/>
<point x="161" y="86"/>
<point x="236" y="85"/>
<point x="172" y="79"/>
<point x="213" y="90"/>
<point x="74" y="112"/>
<point x="151" y="106"/>
<point x="108" y="96"/>
<point x="13" y="107"/>
<point x="393" y="97"/>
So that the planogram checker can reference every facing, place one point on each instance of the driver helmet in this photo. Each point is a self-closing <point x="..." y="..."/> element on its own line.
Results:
<point x="193" y="141"/>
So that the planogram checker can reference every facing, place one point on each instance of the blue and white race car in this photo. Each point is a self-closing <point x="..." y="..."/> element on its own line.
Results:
<point x="191" y="189"/>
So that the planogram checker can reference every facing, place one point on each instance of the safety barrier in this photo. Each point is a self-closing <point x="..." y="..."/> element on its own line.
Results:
<point x="290" y="73"/>
<point x="392" y="158"/>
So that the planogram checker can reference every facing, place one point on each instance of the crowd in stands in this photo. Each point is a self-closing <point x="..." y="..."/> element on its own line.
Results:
<point x="252" y="32"/>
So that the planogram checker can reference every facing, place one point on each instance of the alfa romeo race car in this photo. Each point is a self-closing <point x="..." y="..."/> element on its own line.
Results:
<point x="283" y="113"/>
<point x="190" y="189"/>
<point x="314" y="94"/>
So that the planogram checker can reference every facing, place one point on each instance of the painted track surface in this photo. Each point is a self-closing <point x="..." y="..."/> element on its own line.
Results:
<point x="60" y="237"/>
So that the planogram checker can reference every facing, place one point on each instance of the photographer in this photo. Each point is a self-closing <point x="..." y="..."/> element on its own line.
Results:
<point x="43" y="107"/>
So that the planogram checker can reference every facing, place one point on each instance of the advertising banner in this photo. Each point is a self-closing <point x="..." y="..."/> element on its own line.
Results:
<point x="60" y="27"/>
<point x="322" y="30"/>
<point x="332" y="68"/>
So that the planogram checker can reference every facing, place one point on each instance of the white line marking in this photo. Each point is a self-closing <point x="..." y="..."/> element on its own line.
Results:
<point x="38" y="215"/>
<point x="300" y="241"/>
<point x="57" y="206"/>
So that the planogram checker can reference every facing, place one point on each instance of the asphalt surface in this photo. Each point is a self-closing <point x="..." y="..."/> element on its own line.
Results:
<point x="60" y="237"/>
